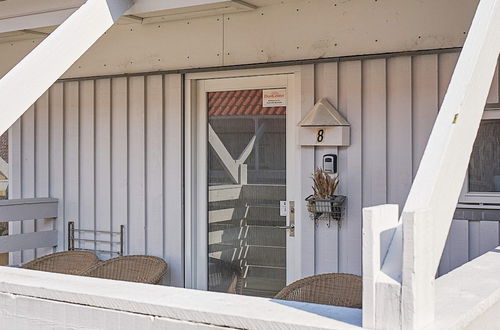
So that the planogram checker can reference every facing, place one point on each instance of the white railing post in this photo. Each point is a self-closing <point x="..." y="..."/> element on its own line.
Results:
<point x="379" y="223"/>
<point x="417" y="295"/>
<point x="405" y="302"/>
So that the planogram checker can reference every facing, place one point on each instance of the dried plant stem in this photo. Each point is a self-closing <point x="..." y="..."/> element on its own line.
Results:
<point x="324" y="185"/>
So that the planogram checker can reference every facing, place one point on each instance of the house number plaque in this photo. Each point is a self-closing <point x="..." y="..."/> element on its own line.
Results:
<point x="324" y="136"/>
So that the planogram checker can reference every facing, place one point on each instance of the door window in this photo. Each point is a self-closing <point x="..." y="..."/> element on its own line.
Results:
<point x="246" y="182"/>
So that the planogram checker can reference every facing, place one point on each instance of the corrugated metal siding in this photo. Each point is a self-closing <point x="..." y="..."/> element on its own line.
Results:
<point x="116" y="144"/>
<point x="111" y="151"/>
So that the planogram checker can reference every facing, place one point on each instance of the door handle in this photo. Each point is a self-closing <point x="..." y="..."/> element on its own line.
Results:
<point x="291" y="219"/>
<point x="285" y="227"/>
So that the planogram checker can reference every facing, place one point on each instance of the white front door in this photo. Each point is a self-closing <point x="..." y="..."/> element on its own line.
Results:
<point x="241" y="136"/>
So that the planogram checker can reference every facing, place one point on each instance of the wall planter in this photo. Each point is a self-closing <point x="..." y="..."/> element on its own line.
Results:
<point x="326" y="209"/>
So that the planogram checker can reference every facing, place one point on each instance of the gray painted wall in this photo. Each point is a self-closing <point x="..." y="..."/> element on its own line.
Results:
<point x="111" y="150"/>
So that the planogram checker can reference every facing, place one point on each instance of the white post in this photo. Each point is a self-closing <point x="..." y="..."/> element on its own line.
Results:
<point x="417" y="295"/>
<point x="31" y="77"/>
<point x="379" y="223"/>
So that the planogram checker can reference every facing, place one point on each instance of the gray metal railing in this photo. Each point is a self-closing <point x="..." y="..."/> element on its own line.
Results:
<point x="14" y="210"/>
<point x="109" y="242"/>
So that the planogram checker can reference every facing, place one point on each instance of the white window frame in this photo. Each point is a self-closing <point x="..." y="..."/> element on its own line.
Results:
<point x="482" y="198"/>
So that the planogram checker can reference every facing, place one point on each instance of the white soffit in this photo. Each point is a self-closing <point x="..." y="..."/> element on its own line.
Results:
<point x="29" y="15"/>
<point x="323" y="114"/>
<point x="27" y="34"/>
<point x="194" y="11"/>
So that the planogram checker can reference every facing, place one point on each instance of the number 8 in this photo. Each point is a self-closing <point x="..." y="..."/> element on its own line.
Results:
<point x="320" y="135"/>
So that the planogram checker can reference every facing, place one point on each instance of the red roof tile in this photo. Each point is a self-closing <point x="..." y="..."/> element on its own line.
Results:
<point x="240" y="103"/>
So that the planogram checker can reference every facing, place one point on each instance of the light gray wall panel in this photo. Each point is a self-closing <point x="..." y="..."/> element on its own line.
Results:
<point x="154" y="165"/>
<point x="351" y="105"/>
<point x="119" y="155"/>
<point x="374" y="145"/>
<point x="399" y="130"/>
<point x="137" y="171"/>
<point x="56" y="159"/>
<point x="42" y="175"/>
<point x="86" y="174"/>
<point x="28" y="170"/>
<point x="326" y="237"/>
<point x="15" y="179"/>
<point x="110" y="150"/>
<point x="173" y="225"/>
<point x="391" y="105"/>
<point x="425" y="102"/>
<point x="71" y="196"/>
<point x="103" y="160"/>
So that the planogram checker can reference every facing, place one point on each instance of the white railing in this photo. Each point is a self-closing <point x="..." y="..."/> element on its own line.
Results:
<point x="16" y="210"/>
<point x="48" y="300"/>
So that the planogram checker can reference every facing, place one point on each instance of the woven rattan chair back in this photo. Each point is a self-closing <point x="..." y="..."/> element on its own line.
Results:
<point x="224" y="276"/>
<point x="136" y="268"/>
<point x="327" y="289"/>
<point x="67" y="262"/>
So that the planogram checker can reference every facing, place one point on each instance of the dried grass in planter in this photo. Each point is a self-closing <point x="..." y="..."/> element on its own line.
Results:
<point x="324" y="185"/>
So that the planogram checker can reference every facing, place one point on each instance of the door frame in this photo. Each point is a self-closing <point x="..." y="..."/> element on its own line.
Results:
<point x="297" y="80"/>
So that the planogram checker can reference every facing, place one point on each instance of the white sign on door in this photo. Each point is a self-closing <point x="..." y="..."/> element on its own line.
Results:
<point x="274" y="98"/>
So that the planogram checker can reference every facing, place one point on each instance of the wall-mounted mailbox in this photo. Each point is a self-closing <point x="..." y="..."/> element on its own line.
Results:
<point x="324" y="126"/>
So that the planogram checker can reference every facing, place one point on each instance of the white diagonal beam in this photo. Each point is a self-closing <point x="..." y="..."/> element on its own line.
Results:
<point x="407" y="288"/>
<point x="439" y="179"/>
<point x="31" y="77"/>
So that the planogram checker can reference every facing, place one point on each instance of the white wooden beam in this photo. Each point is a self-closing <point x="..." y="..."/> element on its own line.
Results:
<point x="35" y="21"/>
<point x="405" y="285"/>
<point x="145" y="6"/>
<point x="439" y="179"/>
<point x="31" y="77"/>
<point x="177" y="9"/>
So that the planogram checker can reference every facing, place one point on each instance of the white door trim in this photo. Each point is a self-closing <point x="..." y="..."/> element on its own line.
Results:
<point x="196" y="240"/>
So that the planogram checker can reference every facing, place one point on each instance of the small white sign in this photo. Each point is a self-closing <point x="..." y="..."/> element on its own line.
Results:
<point x="274" y="98"/>
<point x="283" y="209"/>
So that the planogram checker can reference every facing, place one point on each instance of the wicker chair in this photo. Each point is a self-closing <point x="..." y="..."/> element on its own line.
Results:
<point x="224" y="277"/>
<point x="328" y="289"/>
<point x="67" y="262"/>
<point x="138" y="268"/>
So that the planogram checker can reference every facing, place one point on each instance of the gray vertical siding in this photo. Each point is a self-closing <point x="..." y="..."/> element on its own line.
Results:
<point x="110" y="150"/>
<point x="391" y="105"/>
